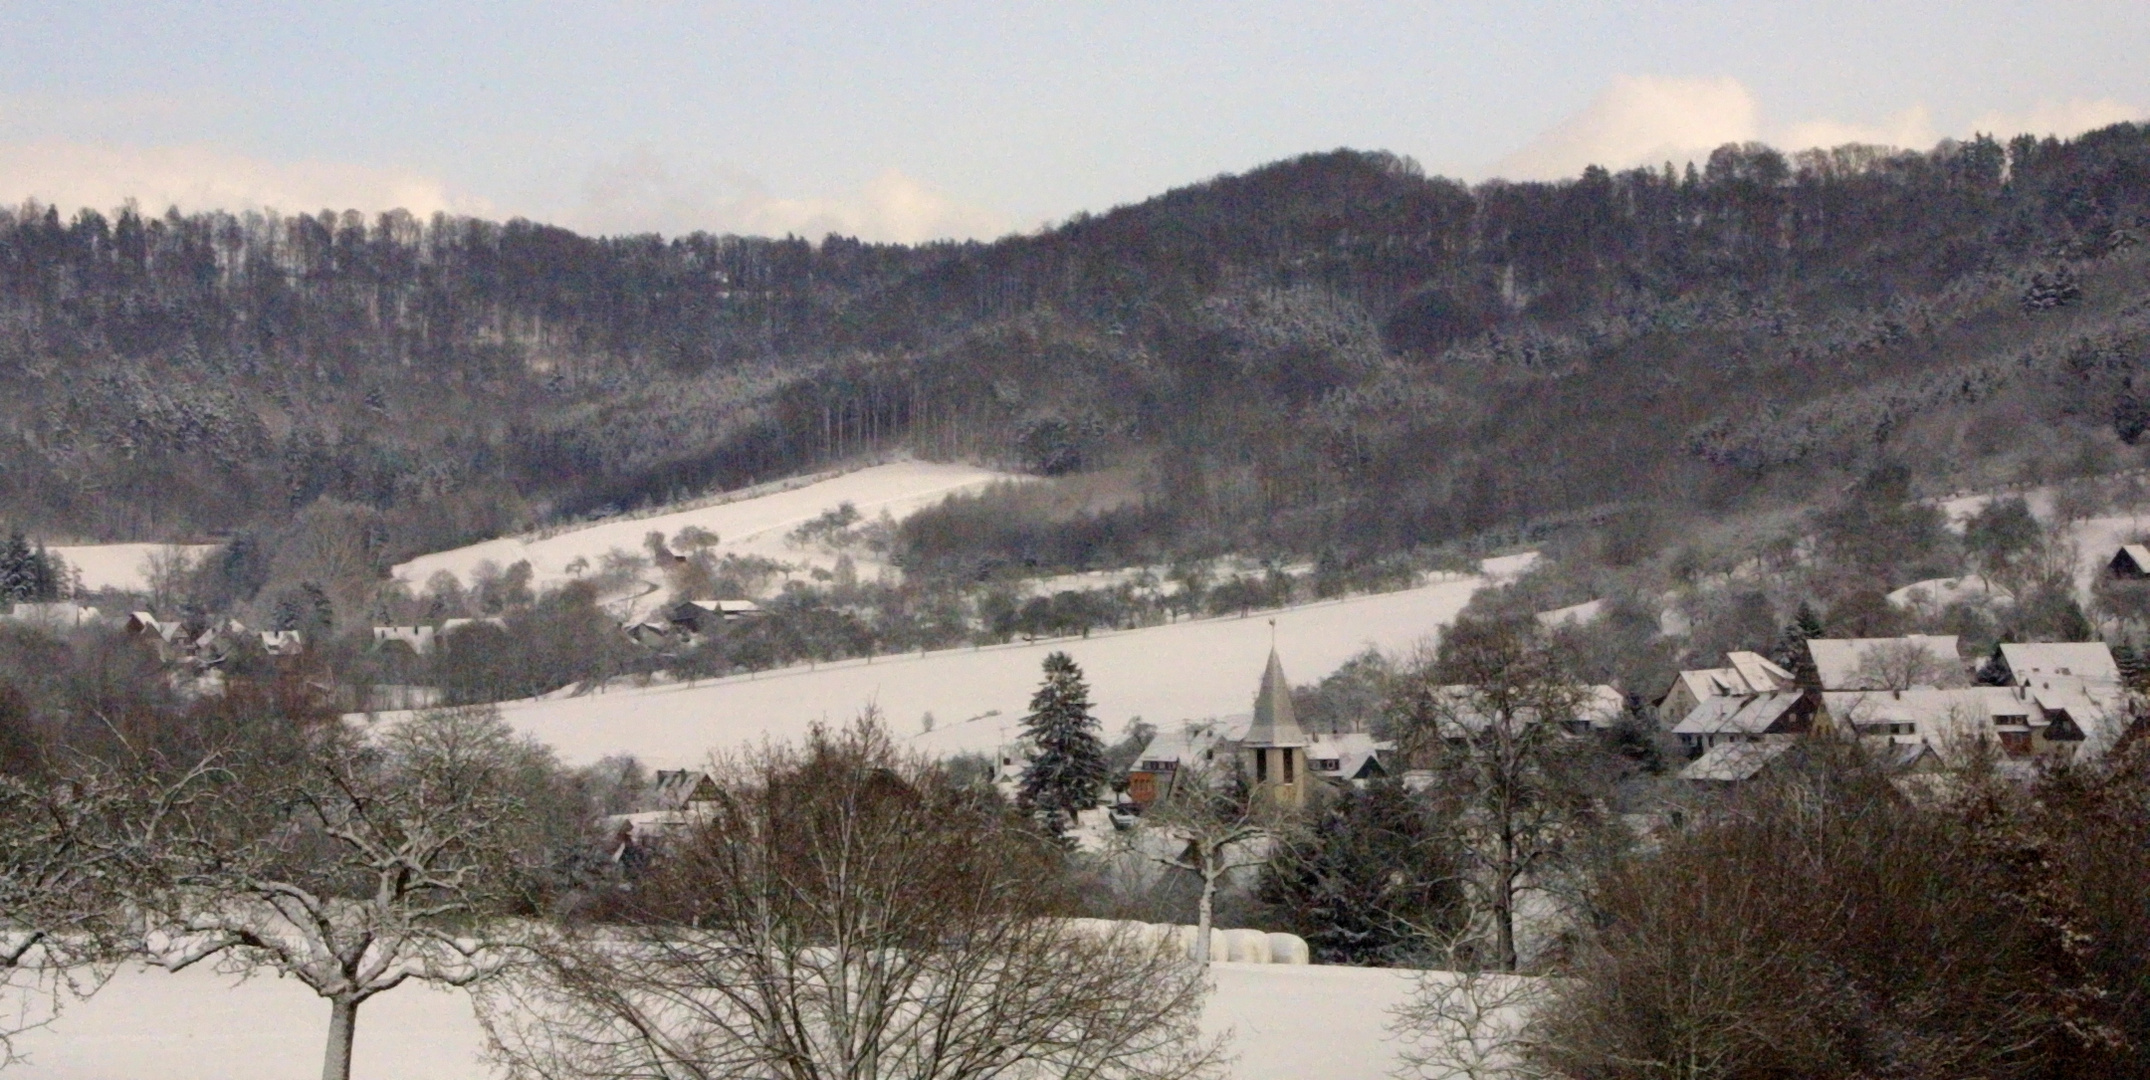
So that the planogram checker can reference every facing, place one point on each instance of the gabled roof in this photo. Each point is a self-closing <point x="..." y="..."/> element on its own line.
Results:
<point x="2137" y="554"/>
<point x="1838" y="660"/>
<point x="1192" y="742"/>
<point x="1599" y="706"/>
<point x="1760" y="675"/>
<point x="1732" y="762"/>
<point x="1749" y="673"/>
<point x="2033" y="661"/>
<point x="1939" y="716"/>
<point x="1602" y="706"/>
<point x="676" y="788"/>
<point x="1703" y="683"/>
<point x="1275" y="724"/>
<point x="1753" y="715"/>
<point x="1357" y="755"/>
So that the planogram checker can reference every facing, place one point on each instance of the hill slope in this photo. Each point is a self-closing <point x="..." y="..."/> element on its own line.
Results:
<point x="1329" y="353"/>
<point x="1186" y="670"/>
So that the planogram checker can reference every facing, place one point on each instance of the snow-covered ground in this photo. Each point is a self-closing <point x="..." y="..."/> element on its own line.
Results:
<point x="757" y="524"/>
<point x="1187" y="670"/>
<point x="1287" y="1023"/>
<point x="121" y="566"/>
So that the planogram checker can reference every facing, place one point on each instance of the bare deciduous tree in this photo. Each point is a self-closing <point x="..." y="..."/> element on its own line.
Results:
<point x="1471" y="1025"/>
<point x="79" y="852"/>
<point x="1489" y="713"/>
<point x="1210" y="826"/>
<point x="845" y="913"/>
<point x="1904" y="665"/>
<point x="1934" y="937"/>
<point x="358" y="865"/>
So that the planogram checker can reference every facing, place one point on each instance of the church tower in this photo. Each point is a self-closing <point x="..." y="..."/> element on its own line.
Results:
<point x="1274" y="750"/>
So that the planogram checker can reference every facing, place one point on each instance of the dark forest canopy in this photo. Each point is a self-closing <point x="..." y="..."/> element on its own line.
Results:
<point x="1332" y="353"/>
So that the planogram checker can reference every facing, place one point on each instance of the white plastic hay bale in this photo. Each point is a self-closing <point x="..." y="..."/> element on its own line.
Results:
<point x="1289" y="949"/>
<point x="1097" y="929"/>
<point x="1246" y="946"/>
<point x="1151" y="935"/>
<point x="1182" y="939"/>
<point x="1220" y="947"/>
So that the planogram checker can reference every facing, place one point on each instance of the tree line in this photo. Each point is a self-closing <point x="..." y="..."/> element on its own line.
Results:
<point x="1333" y="352"/>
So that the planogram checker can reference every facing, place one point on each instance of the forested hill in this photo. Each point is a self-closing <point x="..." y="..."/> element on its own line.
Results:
<point x="1330" y="354"/>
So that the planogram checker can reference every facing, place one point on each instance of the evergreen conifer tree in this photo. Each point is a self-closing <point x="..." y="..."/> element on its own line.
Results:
<point x="1370" y="881"/>
<point x="1994" y="671"/>
<point x="1067" y="761"/>
<point x="45" y="569"/>
<point x="1791" y="652"/>
<point x="2134" y="667"/>
<point x="18" y="573"/>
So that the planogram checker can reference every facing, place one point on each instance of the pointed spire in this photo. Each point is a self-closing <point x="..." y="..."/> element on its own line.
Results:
<point x="1274" y="724"/>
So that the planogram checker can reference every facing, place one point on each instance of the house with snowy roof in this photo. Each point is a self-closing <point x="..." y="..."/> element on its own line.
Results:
<point x="418" y="640"/>
<point x="1462" y="712"/>
<point x="1894" y="663"/>
<point x="2081" y="661"/>
<point x="1745" y="674"/>
<point x="2020" y="723"/>
<point x="1350" y="757"/>
<point x="2131" y="562"/>
<point x="678" y="799"/>
<point x="1194" y="745"/>
<point x="1746" y="718"/>
<point x="283" y="642"/>
<point x="702" y="616"/>
<point x="144" y="624"/>
<point x="1738" y="762"/>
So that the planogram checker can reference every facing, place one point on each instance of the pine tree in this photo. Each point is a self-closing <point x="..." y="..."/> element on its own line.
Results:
<point x="46" y="584"/>
<point x="1994" y="672"/>
<point x="1370" y="881"/>
<point x="1791" y="652"/>
<point x="2134" y="667"/>
<point x="18" y="574"/>
<point x="1067" y="761"/>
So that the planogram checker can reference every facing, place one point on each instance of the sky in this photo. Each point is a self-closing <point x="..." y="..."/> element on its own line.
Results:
<point x="902" y="122"/>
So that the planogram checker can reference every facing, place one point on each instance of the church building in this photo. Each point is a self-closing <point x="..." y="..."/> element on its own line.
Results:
<point x="1274" y="749"/>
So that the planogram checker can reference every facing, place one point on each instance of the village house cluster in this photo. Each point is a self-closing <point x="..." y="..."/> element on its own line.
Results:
<point x="1915" y="699"/>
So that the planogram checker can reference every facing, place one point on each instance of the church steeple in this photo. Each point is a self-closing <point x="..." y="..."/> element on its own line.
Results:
<point x="1275" y="724"/>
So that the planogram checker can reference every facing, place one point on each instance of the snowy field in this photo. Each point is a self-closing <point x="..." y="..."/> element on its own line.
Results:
<point x="121" y="566"/>
<point x="754" y="525"/>
<point x="1188" y="670"/>
<point x="1287" y="1023"/>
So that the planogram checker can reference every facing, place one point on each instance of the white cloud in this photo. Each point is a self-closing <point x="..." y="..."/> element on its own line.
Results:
<point x="2060" y="118"/>
<point x="1912" y="127"/>
<point x="1645" y="120"/>
<point x="1639" y="120"/>
<point x="73" y="175"/>
<point x="644" y="191"/>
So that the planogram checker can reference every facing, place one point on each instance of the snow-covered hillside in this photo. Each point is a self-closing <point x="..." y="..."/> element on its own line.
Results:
<point x="756" y="523"/>
<point x="1194" y="669"/>
<point x="1287" y="1023"/>
<point x="121" y="566"/>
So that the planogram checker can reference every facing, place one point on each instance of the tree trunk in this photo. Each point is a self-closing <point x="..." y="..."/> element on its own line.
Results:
<point x="342" y="1024"/>
<point x="1504" y="920"/>
<point x="1201" y="921"/>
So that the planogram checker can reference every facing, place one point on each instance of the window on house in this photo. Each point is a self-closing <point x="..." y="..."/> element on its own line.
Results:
<point x="1261" y="766"/>
<point x="1288" y="756"/>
